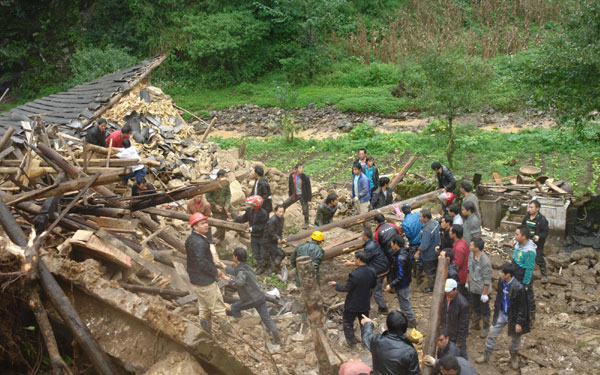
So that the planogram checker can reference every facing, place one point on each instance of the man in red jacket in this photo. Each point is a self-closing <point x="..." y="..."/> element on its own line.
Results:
<point x="118" y="136"/>
<point x="461" y="258"/>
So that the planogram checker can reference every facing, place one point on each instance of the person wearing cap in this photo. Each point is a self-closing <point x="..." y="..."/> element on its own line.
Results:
<point x="445" y="178"/>
<point x="116" y="138"/>
<point x="299" y="190"/>
<point x="471" y="225"/>
<point x="311" y="249"/>
<point x="273" y="237"/>
<point x="199" y="204"/>
<point x="250" y="291"/>
<point x="220" y="203"/>
<point x="203" y="273"/>
<point x="391" y="351"/>
<point x="446" y="199"/>
<point x="361" y="192"/>
<point x="382" y="196"/>
<point x="129" y="152"/>
<point x="97" y="134"/>
<point x="411" y="228"/>
<point x="455" y="316"/>
<point x="430" y="239"/>
<point x="261" y="187"/>
<point x="326" y="210"/>
<point x="358" y="300"/>
<point x="257" y="218"/>
<point x="510" y="309"/>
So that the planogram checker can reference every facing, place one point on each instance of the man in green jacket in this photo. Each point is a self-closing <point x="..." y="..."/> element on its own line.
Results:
<point x="220" y="203"/>
<point x="312" y="249"/>
<point x="326" y="210"/>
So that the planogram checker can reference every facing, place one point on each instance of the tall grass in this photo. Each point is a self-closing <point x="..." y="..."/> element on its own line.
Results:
<point x="481" y="27"/>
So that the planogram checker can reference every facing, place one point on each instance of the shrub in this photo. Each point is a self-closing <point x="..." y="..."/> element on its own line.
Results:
<point x="89" y="63"/>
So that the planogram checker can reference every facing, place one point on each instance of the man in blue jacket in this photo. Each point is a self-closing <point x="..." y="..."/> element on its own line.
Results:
<point x="430" y="238"/>
<point x="411" y="226"/>
<point x="361" y="191"/>
<point x="401" y="278"/>
<point x="358" y="300"/>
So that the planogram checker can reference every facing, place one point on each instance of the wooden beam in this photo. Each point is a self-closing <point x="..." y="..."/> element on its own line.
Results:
<point x="184" y="193"/>
<point x="6" y="137"/>
<point x="435" y="313"/>
<point x="230" y="225"/>
<point x="403" y="172"/>
<point x="340" y="249"/>
<point x="359" y="219"/>
<point x="94" y="162"/>
<point x="96" y="247"/>
<point x="208" y="129"/>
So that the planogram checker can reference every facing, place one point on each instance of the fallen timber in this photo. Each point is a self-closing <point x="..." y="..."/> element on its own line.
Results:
<point x="359" y="219"/>
<point x="435" y="313"/>
<point x="230" y="225"/>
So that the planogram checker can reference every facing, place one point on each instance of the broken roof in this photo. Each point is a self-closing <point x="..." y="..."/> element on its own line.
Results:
<point x="81" y="104"/>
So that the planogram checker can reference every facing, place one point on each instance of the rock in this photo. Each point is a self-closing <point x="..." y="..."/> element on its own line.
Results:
<point x="175" y="183"/>
<point x="298" y="353"/>
<point x="585" y="253"/>
<point x="496" y="261"/>
<point x="559" y="260"/>
<point x="176" y="363"/>
<point x="237" y="195"/>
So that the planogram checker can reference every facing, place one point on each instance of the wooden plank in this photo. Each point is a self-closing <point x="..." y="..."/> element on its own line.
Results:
<point x="112" y="223"/>
<point x="496" y="177"/>
<point x="6" y="152"/>
<point x="94" y="246"/>
<point x="556" y="188"/>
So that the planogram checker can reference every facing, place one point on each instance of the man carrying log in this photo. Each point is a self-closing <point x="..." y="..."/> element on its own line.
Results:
<point x="203" y="273"/>
<point x="311" y="249"/>
<point x="97" y="134"/>
<point x="299" y="190"/>
<point x="358" y="300"/>
<point x="257" y="218"/>
<point x="220" y="203"/>
<point x="250" y="291"/>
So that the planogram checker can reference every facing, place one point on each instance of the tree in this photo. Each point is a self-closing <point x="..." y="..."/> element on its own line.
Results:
<point x="566" y="77"/>
<point x="454" y="82"/>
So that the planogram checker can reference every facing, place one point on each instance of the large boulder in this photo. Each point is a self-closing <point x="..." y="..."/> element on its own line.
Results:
<point x="237" y="194"/>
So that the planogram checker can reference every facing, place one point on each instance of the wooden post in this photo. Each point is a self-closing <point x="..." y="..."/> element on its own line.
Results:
<point x="6" y="137"/>
<point x="229" y="225"/>
<point x="208" y="129"/>
<point x="313" y="300"/>
<point x="109" y="151"/>
<point x="347" y="247"/>
<point x="151" y="200"/>
<point x="359" y="219"/>
<point x="435" y="313"/>
<point x="403" y="172"/>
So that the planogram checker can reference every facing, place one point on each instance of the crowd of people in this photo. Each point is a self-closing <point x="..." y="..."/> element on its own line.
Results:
<point x="393" y="256"/>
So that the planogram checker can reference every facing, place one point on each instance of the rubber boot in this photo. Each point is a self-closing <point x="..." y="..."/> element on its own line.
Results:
<point x="475" y="322"/>
<point x="430" y="281"/>
<point x="205" y="324"/>
<point x="485" y="358"/>
<point x="544" y="272"/>
<point x="485" y="327"/>
<point x="515" y="360"/>
<point x="260" y="269"/>
<point x="277" y="262"/>
<point x="412" y="324"/>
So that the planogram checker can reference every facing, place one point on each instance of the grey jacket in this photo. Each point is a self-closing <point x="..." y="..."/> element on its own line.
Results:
<point x="471" y="228"/>
<point x="248" y="287"/>
<point x="430" y="238"/>
<point x="480" y="273"/>
<point x="470" y="197"/>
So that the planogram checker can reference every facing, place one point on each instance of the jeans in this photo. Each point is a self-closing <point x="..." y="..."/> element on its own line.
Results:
<point x="490" y="341"/>
<point x="288" y="202"/>
<point x="261" y="308"/>
<point x="403" y="295"/>
<point x="348" y="324"/>
<point x="479" y="307"/>
<point x="137" y="174"/>
<point x="378" y="293"/>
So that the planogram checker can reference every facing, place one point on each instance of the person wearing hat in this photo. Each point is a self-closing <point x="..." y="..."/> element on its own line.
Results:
<point x="97" y="134"/>
<point x="220" y="203"/>
<point x="312" y="249"/>
<point x="203" y="273"/>
<point x="455" y="316"/>
<point x="257" y="218"/>
<point x="358" y="300"/>
<point x="299" y="190"/>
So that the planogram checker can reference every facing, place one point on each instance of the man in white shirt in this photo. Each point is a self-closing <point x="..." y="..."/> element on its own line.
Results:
<point x="129" y="152"/>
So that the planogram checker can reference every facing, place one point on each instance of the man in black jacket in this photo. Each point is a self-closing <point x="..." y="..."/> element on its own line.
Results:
<point x="401" y="277"/>
<point x="273" y="237"/>
<point x="358" y="300"/>
<point x="445" y="178"/>
<point x="538" y="225"/>
<point x="257" y="218"/>
<point x="377" y="260"/>
<point x="383" y="195"/>
<point x="455" y="316"/>
<point x="444" y="347"/>
<point x="384" y="233"/>
<point x="250" y="291"/>
<point x="299" y="190"/>
<point x="261" y="187"/>
<point x="203" y="273"/>
<point x="391" y="351"/>
<point x="96" y="135"/>
<point x="511" y="308"/>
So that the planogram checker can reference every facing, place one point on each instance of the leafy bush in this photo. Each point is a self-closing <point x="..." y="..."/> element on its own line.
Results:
<point x="90" y="63"/>
<point x="362" y="132"/>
